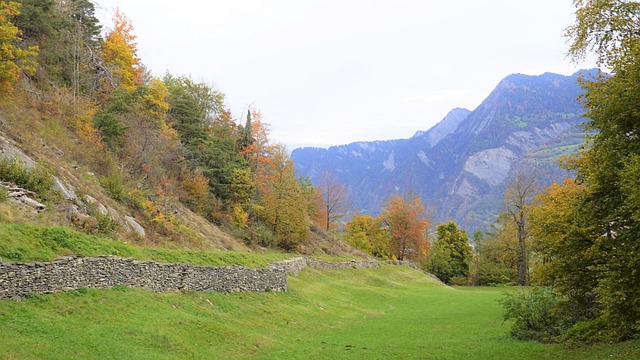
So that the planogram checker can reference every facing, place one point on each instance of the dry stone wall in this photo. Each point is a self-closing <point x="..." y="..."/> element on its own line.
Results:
<point x="296" y="265"/>
<point x="20" y="279"/>
<point x="68" y="273"/>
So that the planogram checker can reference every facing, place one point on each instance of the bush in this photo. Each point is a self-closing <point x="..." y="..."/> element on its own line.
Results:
<point x="37" y="179"/>
<point x="114" y="184"/>
<point x="537" y="313"/>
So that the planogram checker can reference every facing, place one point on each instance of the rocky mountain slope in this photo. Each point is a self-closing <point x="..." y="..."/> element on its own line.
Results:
<point x="461" y="166"/>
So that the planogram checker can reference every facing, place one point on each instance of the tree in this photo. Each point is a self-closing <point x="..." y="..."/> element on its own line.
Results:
<point x="450" y="255"/>
<point x="407" y="226"/>
<point x="518" y="196"/>
<point x="13" y="58"/>
<point x="601" y="234"/>
<point x="364" y="232"/>
<point x="334" y="198"/>
<point x="563" y="238"/>
<point x="283" y="202"/>
<point x="120" y="54"/>
<point x="610" y="28"/>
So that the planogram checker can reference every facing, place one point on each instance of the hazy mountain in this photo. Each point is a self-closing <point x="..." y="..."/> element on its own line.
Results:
<point x="460" y="166"/>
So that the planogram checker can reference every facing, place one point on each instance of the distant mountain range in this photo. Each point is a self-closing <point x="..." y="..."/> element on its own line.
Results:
<point x="461" y="166"/>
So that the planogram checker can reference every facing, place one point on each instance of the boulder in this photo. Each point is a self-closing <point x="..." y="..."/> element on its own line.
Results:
<point x="133" y="225"/>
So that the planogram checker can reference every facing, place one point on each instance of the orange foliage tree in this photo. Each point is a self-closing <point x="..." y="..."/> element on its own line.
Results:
<point x="255" y="144"/>
<point x="120" y="54"/>
<point x="407" y="227"/>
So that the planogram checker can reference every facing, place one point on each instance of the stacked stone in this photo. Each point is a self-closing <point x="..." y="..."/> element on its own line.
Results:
<point x="20" y="279"/>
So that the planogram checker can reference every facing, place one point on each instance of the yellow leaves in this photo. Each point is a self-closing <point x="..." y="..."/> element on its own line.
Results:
<point x="119" y="52"/>
<point x="13" y="59"/>
<point x="155" y="104"/>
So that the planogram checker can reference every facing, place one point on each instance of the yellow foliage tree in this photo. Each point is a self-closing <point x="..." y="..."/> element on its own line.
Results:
<point x="154" y="100"/>
<point x="13" y="59"/>
<point x="283" y="202"/>
<point x="120" y="54"/>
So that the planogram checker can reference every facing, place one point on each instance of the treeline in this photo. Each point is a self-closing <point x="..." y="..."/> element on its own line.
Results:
<point x="155" y="142"/>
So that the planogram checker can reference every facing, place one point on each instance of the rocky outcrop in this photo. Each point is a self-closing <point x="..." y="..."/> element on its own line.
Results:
<point x="134" y="226"/>
<point x="23" y="197"/>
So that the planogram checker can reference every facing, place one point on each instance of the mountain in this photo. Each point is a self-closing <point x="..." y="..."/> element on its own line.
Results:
<point x="460" y="167"/>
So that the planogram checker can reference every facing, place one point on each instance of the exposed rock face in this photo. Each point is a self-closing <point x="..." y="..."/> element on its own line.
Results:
<point x="444" y="128"/>
<point x="101" y="209"/>
<point x="9" y="150"/>
<point x="492" y="165"/>
<point x="65" y="190"/>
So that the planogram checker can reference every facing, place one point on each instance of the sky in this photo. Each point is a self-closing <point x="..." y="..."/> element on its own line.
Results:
<point x="332" y="72"/>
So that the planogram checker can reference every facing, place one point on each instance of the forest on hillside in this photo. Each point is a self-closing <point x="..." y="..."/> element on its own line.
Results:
<point x="163" y="145"/>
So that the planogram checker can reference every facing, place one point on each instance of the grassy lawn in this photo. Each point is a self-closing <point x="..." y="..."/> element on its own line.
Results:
<point x="387" y="313"/>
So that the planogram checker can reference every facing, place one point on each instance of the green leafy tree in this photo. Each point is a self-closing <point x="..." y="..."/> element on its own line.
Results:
<point x="451" y="254"/>
<point x="600" y="236"/>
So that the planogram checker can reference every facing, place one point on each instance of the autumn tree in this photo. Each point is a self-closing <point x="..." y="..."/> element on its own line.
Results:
<point x="284" y="206"/>
<point x="608" y="167"/>
<point x="563" y="237"/>
<point x="334" y="200"/>
<point x="120" y="54"/>
<point x="518" y="196"/>
<point x="256" y="148"/>
<point x="589" y="231"/>
<point x="450" y="254"/>
<point x="14" y="59"/>
<point x="407" y="227"/>
<point x="497" y="254"/>
<point x="365" y="232"/>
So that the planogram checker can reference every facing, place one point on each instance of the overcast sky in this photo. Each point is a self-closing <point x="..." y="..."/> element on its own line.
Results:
<point x="329" y="72"/>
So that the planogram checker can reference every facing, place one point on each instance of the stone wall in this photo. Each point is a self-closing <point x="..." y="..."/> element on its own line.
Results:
<point x="353" y="264"/>
<point x="290" y="267"/>
<point x="295" y="265"/>
<point x="20" y="279"/>
<point x="68" y="273"/>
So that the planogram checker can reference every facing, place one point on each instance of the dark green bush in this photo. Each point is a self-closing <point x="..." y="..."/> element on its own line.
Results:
<point x="538" y="314"/>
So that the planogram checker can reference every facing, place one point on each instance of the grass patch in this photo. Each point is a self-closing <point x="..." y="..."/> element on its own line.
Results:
<point x="391" y="312"/>
<point x="25" y="243"/>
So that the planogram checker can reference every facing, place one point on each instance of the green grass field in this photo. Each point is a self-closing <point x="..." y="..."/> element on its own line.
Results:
<point x="387" y="313"/>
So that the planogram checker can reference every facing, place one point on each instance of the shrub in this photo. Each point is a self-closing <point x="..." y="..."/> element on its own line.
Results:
<point x="37" y="179"/>
<point x="4" y="194"/>
<point x="537" y="313"/>
<point x="114" y="184"/>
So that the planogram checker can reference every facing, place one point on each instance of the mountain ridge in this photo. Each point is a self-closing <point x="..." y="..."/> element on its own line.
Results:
<point x="461" y="165"/>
